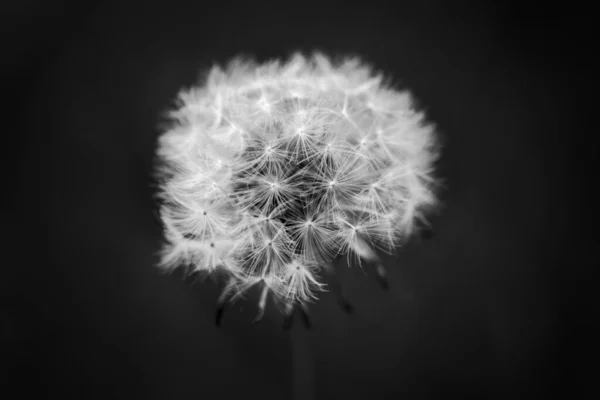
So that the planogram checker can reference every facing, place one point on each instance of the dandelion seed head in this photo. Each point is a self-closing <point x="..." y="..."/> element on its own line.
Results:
<point x="268" y="172"/>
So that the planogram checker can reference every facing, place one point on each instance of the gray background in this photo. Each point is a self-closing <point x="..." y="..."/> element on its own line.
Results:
<point x="481" y="310"/>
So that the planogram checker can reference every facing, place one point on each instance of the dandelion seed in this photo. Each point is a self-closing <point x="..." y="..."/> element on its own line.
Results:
<point x="269" y="172"/>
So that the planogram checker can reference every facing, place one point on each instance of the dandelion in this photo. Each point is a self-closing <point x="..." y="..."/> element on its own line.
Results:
<point x="268" y="172"/>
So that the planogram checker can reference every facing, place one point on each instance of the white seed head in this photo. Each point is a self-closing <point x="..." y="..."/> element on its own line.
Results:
<point x="269" y="172"/>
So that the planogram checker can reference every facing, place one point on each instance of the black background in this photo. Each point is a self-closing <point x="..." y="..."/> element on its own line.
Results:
<point x="484" y="309"/>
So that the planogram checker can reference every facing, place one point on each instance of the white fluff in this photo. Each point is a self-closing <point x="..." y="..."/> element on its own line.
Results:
<point x="268" y="172"/>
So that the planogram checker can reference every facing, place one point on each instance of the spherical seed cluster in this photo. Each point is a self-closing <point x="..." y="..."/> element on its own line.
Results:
<point x="270" y="171"/>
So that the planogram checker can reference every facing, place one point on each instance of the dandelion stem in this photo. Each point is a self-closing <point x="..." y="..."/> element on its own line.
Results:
<point x="303" y="364"/>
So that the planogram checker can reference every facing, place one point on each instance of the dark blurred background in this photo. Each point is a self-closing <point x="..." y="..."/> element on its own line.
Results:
<point x="489" y="307"/>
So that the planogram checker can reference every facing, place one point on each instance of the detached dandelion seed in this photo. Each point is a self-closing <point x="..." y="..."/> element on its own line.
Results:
<point x="268" y="172"/>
